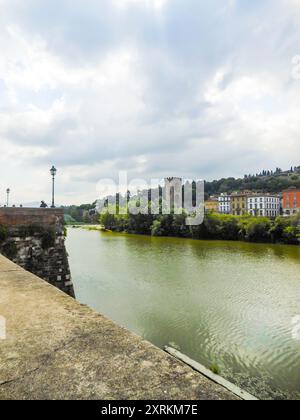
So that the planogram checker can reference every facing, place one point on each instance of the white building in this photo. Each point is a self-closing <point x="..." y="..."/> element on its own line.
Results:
<point x="264" y="205"/>
<point x="224" y="204"/>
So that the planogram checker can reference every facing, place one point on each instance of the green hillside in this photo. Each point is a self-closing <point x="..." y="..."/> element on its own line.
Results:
<point x="265" y="182"/>
<point x="69" y="220"/>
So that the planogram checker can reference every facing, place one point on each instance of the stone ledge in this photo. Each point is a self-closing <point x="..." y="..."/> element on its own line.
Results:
<point x="59" y="349"/>
<point x="16" y="216"/>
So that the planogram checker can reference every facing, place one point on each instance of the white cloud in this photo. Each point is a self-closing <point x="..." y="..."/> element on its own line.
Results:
<point x="206" y="91"/>
<point x="156" y="4"/>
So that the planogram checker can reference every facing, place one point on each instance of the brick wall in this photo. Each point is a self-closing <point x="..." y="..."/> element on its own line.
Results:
<point x="26" y="217"/>
<point x="35" y="240"/>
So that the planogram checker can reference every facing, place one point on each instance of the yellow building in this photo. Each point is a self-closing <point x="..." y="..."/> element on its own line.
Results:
<point x="239" y="204"/>
<point x="212" y="205"/>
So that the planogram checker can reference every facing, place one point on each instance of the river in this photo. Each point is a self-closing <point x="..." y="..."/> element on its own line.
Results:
<point x="230" y="304"/>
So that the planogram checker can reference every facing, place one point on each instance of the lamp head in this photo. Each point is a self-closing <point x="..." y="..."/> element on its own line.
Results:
<point x="53" y="171"/>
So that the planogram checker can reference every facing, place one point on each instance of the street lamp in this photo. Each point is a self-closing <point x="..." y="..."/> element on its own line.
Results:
<point x="7" y="193"/>
<point x="53" y="172"/>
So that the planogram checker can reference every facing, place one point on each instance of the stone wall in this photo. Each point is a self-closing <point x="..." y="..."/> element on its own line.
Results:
<point x="16" y="217"/>
<point x="35" y="240"/>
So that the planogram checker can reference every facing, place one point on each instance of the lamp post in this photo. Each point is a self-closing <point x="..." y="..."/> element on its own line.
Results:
<point x="7" y="194"/>
<point x="53" y="172"/>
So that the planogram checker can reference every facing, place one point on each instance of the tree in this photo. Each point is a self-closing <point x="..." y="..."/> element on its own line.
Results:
<point x="258" y="230"/>
<point x="291" y="235"/>
<point x="108" y="220"/>
<point x="156" y="229"/>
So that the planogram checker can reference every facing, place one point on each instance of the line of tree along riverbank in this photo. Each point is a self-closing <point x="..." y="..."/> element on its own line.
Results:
<point x="215" y="226"/>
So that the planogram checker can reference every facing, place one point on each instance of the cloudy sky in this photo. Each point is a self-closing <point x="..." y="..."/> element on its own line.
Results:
<point x="194" y="88"/>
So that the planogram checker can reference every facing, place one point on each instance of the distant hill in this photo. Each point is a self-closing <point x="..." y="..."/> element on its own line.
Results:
<point x="267" y="181"/>
<point x="81" y="214"/>
<point x="69" y="220"/>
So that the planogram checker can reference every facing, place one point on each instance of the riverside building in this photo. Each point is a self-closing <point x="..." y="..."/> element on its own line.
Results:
<point x="224" y="204"/>
<point x="291" y="202"/>
<point x="264" y="205"/>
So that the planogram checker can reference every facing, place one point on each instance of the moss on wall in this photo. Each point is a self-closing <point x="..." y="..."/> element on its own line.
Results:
<point x="40" y="250"/>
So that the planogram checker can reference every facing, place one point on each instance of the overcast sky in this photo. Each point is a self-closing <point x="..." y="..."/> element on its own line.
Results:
<point x="191" y="88"/>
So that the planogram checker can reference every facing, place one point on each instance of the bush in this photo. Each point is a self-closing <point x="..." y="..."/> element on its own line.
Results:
<point x="108" y="220"/>
<point x="156" y="228"/>
<point x="3" y="233"/>
<point x="48" y="238"/>
<point x="31" y="230"/>
<point x="140" y="224"/>
<point x="291" y="235"/>
<point x="258" y="230"/>
<point x="215" y="226"/>
<point x="9" y="250"/>
<point x="278" y="227"/>
<point x="122" y="222"/>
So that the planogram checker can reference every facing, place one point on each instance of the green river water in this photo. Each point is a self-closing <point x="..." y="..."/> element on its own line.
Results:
<point x="225" y="303"/>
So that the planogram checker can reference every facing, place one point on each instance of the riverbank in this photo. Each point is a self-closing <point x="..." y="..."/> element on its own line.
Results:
<point x="98" y="228"/>
<point x="56" y="348"/>
<point x="215" y="226"/>
<point x="282" y="231"/>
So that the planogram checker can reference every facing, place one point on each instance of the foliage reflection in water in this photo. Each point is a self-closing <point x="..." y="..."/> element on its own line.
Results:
<point x="224" y="304"/>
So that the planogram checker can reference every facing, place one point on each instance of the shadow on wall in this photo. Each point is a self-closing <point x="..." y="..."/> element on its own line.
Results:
<point x="35" y="240"/>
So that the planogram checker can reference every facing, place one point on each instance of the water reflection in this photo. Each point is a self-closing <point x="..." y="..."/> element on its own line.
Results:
<point x="219" y="302"/>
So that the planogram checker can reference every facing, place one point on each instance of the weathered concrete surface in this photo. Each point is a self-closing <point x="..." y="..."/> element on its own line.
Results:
<point x="58" y="349"/>
<point x="15" y="216"/>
